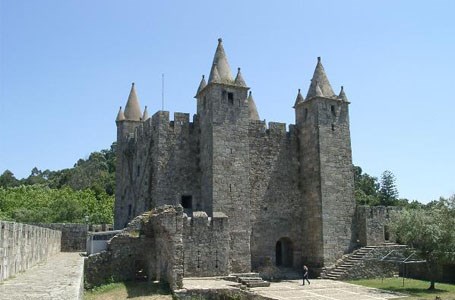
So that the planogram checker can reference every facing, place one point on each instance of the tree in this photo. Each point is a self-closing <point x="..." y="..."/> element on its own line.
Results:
<point x="366" y="188"/>
<point x="429" y="231"/>
<point x="7" y="179"/>
<point x="388" y="192"/>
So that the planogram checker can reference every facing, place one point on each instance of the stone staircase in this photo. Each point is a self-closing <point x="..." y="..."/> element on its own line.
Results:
<point x="343" y="266"/>
<point x="250" y="280"/>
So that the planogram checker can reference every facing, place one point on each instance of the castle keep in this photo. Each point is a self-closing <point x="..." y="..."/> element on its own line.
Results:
<point x="251" y="192"/>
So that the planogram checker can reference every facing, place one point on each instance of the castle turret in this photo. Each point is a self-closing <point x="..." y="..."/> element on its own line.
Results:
<point x="326" y="174"/>
<point x="253" y="111"/>
<point x="127" y="122"/>
<point x="223" y="110"/>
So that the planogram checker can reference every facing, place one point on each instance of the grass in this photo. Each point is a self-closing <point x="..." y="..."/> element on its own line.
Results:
<point x="129" y="290"/>
<point x="416" y="289"/>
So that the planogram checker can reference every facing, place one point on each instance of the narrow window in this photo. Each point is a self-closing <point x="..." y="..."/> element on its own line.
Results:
<point x="187" y="201"/>
<point x="231" y="98"/>
<point x="230" y="187"/>
<point x="386" y="233"/>
<point x="129" y="210"/>
<point x="204" y="102"/>
<point x="333" y="127"/>
<point x="138" y="171"/>
<point x="332" y="108"/>
<point x="305" y="114"/>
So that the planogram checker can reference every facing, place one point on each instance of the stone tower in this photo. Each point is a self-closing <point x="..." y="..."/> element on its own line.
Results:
<point x="223" y="110"/>
<point x="326" y="175"/>
<point x="126" y="124"/>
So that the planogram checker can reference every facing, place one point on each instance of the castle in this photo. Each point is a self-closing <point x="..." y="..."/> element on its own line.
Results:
<point x="251" y="192"/>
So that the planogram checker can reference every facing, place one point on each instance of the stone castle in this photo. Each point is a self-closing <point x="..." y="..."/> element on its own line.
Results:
<point x="251" y="192"/>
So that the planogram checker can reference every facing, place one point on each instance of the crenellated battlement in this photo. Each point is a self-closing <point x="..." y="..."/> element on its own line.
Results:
<point x="271" y="129"/>
<point x="206" y="244"/>
<point x="254" y="191"/>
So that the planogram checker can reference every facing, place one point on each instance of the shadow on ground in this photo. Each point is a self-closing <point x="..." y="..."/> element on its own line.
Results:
<point x="144" y="288"/>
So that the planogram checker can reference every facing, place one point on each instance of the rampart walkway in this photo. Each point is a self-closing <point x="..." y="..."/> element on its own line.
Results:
<point x="60" y="278"/>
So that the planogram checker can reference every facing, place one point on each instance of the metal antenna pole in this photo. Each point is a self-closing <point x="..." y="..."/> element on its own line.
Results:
<point x="162" y="91"/>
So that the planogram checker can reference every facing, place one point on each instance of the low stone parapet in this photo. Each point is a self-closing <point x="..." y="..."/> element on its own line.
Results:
<point x="22" y="246"/>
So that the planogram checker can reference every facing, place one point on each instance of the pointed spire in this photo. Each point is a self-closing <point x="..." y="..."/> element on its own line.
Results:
<point x="222" y="65"/>
<point x="214" y="76"/>
<point x="299" y="99"/>
<point x="342" y="95"/>
<point x="120" y="115"/>
<point x="145" y="116"/>
<point x="318" y="90"/>
<point x="132" y="108"/>
<point x="320" y="79"/>
<point x="201" y="85"/>
<point x="253" y="111"/>
<point x="239" y="79"/>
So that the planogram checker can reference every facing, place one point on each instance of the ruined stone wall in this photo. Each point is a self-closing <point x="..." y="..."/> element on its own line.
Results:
<point x="160" y="165"/>
<point x="74" y="236"/>
<point x="206" y="245"/>
<point x="151" y="247"/>
<point x="276" y="200"/>
<point x="372" y="224"/>
<point x="22" y="246"/>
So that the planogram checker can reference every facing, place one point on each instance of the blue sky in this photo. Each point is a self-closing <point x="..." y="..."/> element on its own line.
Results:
<point x="66" y="67"/>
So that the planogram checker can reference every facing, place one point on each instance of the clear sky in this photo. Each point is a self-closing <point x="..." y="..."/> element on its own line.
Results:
<point x="67" y="66"/>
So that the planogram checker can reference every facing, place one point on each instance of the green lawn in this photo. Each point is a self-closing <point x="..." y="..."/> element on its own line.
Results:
<point x="129" y="290"/>
<point x="417" y="289"/>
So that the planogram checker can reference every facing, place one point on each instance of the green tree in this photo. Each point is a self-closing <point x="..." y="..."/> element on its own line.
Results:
<point x="430" y="232"/>
<point x="366" y="188"/>
<point x="388" y="192"/>
<point x="7" y="179"/>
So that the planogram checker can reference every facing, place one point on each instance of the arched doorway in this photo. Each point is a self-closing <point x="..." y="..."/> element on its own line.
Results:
<point x="284" y="252"/>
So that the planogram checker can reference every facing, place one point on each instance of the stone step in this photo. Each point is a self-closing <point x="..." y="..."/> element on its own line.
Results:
<point x="261" y="283"/>
<point x="249" y="274"/>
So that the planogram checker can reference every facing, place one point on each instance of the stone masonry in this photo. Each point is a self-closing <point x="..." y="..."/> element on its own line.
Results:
<point x="22" y="246"/>
<point x="164" y="244"/>
<point x="264" y="191"/>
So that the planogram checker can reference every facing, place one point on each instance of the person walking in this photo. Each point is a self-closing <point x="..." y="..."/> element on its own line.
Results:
<point x="305" y="274"/>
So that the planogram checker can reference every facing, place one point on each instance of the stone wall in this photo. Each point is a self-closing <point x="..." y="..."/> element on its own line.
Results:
<point x="151" y="247"/>
<point x="157" y="164"/>
<point x="276" y="200"/>
<point x="372" y="224"/>
<point x="327" y="179"/>
<point x="22" y="246"/>
<point x="74" y="236"/>
<point x="442" y="273"/>
<point x="206" y="245"/>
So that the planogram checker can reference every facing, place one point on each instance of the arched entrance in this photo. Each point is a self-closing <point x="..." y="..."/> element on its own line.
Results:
<point x="284" y="252"/>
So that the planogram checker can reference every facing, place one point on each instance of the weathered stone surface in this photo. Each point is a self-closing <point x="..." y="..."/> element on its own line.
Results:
<point x="372" y="224"/>
<point x="288" y="196"/>
<point x="22" y="246"/>
<point x="60" y="277"/>
<point x="151" y="247"/>
<point x="74" y="236"/>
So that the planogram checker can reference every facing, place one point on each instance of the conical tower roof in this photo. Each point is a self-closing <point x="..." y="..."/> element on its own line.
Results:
<point x="320" y="79"/>
<point x="298" y="99"/>
<point x="253" y="111"/>
<point x="120" y="115"/>
<point x="202" y="85"/>
<point x="342" y="95"/>
<point x="214" y="75"/>
<point x="239" y="79"/>
<point x="132" y="108"/>
<point x="145" y="116"/>
<point x="222" y="65"/>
